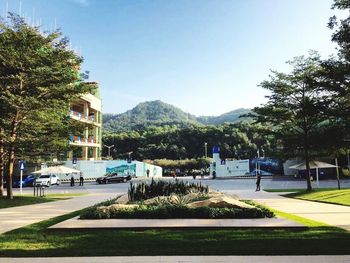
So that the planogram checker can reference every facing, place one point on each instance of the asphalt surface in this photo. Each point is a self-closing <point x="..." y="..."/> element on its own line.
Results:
<point x="226" y="185"/>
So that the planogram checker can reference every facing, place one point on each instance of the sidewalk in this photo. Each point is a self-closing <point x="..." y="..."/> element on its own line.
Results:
<point x="335" y="215"/>
<point x="20" y="216"/>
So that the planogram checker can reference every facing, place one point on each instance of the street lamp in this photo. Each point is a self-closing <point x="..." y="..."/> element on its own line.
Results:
<point x="109" y="149"/>
<point x="205" y="150"/>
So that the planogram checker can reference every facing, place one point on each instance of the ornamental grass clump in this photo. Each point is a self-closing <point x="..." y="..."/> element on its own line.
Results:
<point x="142" y="191"/>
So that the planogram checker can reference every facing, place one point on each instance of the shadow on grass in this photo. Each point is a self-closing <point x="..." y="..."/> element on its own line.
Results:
<point x="37" y="241"/>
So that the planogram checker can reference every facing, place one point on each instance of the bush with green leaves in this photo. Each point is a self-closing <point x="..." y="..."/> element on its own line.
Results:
<point x="174" y="211"/>
<point x="142" y="191"/>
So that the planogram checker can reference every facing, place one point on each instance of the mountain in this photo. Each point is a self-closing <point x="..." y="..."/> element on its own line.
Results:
<point x="158" y="113"/>
<point x="232" y="116"/>
<point x="147" y="113"/>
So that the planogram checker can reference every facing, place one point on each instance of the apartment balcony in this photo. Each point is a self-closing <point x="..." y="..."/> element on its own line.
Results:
<point x="77" y="140"/>
<point x="79" y="116"/>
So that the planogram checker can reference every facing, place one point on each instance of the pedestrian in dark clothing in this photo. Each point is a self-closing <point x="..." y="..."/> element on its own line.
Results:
<point x="147" y="172"/>
<point x="81" y="179"/>
<point x="258" y="179"/>
<point x="72" y="180"/>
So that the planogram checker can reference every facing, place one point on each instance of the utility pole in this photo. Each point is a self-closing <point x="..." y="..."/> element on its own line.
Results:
<point x="257" y="165"/>
<point x="205" y="150"/>
<point x="109" y="149"/>
<point x="129" y="159"/>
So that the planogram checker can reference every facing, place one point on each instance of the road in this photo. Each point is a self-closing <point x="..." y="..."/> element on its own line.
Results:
<point x="225" y="185"/>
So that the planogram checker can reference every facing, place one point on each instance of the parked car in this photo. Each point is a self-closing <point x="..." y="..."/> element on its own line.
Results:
<point x="113" y="178"/>
<point x="26" y="181"/>
<point x="47" y="180"/>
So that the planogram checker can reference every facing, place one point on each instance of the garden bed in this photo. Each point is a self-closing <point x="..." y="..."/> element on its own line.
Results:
<point x="168" y="200"/>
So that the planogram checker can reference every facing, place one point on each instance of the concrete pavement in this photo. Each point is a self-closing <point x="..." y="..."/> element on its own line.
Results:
<point x="335" y="215"/>
<point x="16" y="217"/>
<point x="185" y="259"/>
<point x="20" y="216"/>
<point x="86" y="224"/>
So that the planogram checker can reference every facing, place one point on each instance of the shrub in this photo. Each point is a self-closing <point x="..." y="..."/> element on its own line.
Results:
<point x="175" y="211"/>
<point x="142" y="191"/>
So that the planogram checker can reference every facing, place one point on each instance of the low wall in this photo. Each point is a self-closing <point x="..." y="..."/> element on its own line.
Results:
<point x="95" y="169"/>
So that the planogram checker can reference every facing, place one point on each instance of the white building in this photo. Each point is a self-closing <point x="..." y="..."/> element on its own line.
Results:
<point x="221" y="167"/>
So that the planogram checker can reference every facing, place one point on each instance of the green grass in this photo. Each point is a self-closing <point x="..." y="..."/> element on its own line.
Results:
<point x="297" y="189"/>
<point x="340" y="197"/>
<point x="30" y="200"/>
<point x="37" y="240"/>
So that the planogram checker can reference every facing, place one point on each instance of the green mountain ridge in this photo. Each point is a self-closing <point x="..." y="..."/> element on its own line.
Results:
<point x="159" y="113"/>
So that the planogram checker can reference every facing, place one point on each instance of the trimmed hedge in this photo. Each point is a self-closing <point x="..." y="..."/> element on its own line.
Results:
<point x="174" y="211"/>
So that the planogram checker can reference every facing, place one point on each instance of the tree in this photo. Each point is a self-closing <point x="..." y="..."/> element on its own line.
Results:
<point x="337" y="71"/>
<point x="38" y="74"/>
<point x="298" y="107"/>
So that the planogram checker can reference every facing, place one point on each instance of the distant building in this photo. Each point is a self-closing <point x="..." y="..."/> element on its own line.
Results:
<point x="221" y="167"/>
<point x="87" y="145"/>
<point x="94" y="169"/>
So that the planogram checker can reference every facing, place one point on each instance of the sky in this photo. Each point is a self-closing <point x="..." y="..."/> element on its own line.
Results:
<point x="206" y="57"/>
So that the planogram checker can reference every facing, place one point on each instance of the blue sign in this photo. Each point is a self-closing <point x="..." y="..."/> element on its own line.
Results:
<point x="21" y="165"/>
<point x="216" y="149"/>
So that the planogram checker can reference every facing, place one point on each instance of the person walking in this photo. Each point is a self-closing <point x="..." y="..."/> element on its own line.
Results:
<point x="147" y="172"/>
<point x="81" y="179"/>
<point x="258" y="179"/>
<point x="72" y="179"/>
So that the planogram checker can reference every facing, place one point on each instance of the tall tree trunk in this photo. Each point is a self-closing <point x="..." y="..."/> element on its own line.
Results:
<point x="308" y="177"/>
<point x="306" y="156"/>
<point x="2" y="155"/>
<point x="11" y="155"/>
<point x="306" y="144"/>
<point x="11" y="162"/>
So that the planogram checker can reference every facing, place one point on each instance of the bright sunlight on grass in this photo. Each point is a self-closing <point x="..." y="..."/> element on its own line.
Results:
<point x="340" y="197"/>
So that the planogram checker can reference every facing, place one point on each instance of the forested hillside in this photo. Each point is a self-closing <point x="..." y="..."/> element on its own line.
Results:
<point x="239" y="140"/>
<point x="158" y="113"/>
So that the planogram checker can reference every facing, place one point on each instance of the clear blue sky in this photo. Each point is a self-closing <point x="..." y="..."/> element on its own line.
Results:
<point x="204" y="56"/>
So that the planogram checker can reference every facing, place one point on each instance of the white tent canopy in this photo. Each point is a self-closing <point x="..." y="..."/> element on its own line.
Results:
<point x="60" y="169"/>
<point x="313" y="165"/>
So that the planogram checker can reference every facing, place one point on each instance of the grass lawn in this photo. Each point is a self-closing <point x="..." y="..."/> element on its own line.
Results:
<point x="340" y="197"/>
<point x="298" y="189"/>
<point x="30" y="200"/>
<point x="37" y="240"/>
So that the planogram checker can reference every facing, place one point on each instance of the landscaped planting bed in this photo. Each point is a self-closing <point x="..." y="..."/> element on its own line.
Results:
<point x="160" y="200"/>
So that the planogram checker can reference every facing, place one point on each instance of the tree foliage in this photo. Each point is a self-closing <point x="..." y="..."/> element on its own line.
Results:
<point x="299" y="108"/>
<point x="39" y="76"/>
<point x="158" y="113"/>
<point x="239" y="140"/>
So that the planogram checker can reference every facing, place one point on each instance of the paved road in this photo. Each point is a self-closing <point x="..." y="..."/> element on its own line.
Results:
<point x="221" y="185"/>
